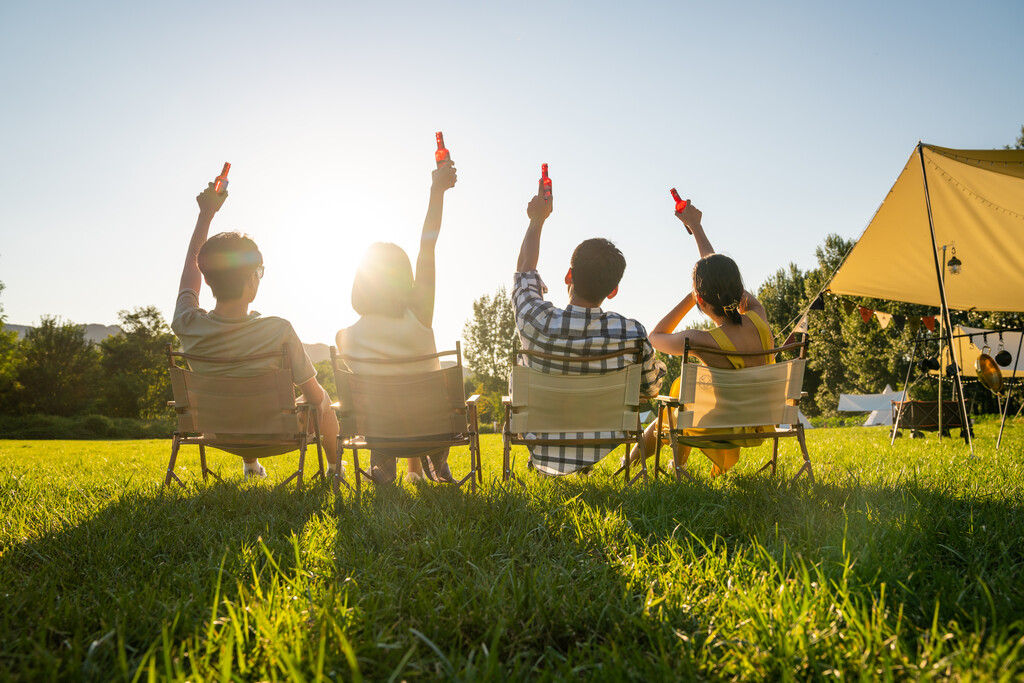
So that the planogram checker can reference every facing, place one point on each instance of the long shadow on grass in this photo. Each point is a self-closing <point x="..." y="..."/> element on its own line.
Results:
<point x="577" y="575"/>
<point x="147" y="561"/>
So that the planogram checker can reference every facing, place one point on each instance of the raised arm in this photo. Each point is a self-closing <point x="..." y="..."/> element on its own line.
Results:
<point x="424" y="286"/>
<point x="538" y="211"/>
<point x="209" y="204"/>
<point x="663" y="336"/>
<point x="690" y="216"/>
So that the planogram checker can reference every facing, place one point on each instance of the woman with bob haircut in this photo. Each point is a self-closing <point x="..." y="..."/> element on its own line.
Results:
<point x="396" y="312"/>
<point x="741" y="325"/>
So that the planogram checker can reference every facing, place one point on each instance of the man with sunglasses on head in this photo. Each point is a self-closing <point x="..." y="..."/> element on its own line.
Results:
<point x="232" y="266"/>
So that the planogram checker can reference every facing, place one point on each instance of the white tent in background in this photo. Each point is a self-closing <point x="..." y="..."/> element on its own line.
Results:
<point x="879" y="405"/>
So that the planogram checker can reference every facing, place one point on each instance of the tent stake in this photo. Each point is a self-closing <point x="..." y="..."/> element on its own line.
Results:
<point x="966" y="425"/>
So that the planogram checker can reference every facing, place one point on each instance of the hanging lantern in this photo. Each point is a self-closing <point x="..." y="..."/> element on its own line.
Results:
<point x="954" y="264"/>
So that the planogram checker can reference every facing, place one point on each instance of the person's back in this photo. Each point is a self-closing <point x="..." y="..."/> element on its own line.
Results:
<point x="232" y="266"/>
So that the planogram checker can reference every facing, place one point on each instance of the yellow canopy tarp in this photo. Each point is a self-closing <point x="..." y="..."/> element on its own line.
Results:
<point x="977" y="201"/>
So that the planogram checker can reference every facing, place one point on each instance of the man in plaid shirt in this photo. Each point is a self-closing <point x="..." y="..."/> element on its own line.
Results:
<point x="580" y="328"/>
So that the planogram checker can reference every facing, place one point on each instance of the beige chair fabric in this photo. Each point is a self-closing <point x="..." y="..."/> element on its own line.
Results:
<point x="246" y="416"/>
<point x="759" y="395"/>
<point x="400" y="413"/>
<point x="402" y="407"/>
<point x="547" y="403"/>
<point x="718" y="407"/>
<point x="544" y="402"/>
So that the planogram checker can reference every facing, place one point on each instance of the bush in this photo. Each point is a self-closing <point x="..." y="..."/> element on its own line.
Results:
<point x="82" y="427"/>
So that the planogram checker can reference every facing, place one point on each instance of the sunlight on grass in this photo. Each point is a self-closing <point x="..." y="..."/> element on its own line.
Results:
<point x="901" y="562"/>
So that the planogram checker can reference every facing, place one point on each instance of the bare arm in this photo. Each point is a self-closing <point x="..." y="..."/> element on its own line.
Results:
<point x="538" y="211"/>
<point x="690" y="216"/>
<point x="209" y="204"/>
<point x="663" y="336"/>
<point x="424" y="287"/>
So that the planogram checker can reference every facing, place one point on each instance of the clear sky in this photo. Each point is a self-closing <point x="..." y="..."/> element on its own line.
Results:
<point x="782" y="121"/>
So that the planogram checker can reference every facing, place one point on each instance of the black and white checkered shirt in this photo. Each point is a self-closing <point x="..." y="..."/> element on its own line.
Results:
<point x="576" y="331"/>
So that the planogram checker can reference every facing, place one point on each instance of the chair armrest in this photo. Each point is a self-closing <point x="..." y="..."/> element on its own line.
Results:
<point x="803" y="394"/>
<point x="506" y="400"/>
<point x="667" y="400"/>
<point x="472" y="400"/>
<point x="171" y="404"/>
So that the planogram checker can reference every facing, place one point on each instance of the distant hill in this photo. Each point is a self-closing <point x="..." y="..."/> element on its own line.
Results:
<point x="93" y="333"/>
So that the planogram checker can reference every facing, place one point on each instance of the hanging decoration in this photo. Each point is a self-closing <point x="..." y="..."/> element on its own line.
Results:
<point x="883" y="318"/>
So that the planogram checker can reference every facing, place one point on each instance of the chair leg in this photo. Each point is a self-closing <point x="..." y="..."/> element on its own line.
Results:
<point x="302" y="464"/>
<point x="774" y="459"/>
<point x="202" y="461"/>
<point x="807" y="457"/>
<point x="479" y="458"/>
<point x="506" y="451"/>
<point x="357" y="473"/>
<point x="319" y="446"/>
<point x="175" y="445"/>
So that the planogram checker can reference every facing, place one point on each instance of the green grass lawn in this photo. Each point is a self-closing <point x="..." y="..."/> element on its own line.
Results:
<point x="901" y="562"/>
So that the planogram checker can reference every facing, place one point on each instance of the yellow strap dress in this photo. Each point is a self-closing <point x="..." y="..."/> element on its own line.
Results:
<point x="725" y="344"/>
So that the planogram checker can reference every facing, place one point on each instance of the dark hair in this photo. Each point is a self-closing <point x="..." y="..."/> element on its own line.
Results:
<point x="383" y="281"/>
<point x="597" y="267"/>
<point x="227" y="260"/>
<point x="717" y="279"/>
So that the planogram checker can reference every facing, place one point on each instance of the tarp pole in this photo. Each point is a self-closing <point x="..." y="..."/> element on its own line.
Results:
<point x="945" y="312"/>
<point x="906" y="387"/>
<point x="1006" y="408"/>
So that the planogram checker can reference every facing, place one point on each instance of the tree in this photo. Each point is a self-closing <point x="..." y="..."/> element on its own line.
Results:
<point x="1019" y="144"/>
<point x="60" y="371"/>
<point x="784" y="297"/>
<point x="490" y="338"/>
<point x="135" y="378"/>
<point x="10" y="362"/>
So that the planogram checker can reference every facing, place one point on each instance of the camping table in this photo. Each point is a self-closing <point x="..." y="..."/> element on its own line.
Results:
<point x="924" y="416"/>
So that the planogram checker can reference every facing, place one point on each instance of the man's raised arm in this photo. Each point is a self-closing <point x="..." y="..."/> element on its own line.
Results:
<point x="538" y="211"/>
<point x="209" y="204"/>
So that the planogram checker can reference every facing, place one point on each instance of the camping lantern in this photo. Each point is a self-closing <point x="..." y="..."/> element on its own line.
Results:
<point x="954" y="264"/>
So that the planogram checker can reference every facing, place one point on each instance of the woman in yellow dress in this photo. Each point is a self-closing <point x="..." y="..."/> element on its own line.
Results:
<point x="742" y="325"/>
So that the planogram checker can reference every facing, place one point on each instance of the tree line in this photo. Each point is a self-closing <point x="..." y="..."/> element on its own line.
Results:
<point x="55" y="370"/>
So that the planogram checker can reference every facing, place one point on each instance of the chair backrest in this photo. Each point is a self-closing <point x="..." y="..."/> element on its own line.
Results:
<point x="401" y="406"/>
<point x="762" y="395"/>
<point x="260" y="405"/>
<point x="595" y="402"/>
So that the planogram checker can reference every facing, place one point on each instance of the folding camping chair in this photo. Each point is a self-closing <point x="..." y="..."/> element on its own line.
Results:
<point x="544" y="403"/>
<point x="248" y="416"/>
<point x="723" y="400"/>
<point x="419" y="410"/>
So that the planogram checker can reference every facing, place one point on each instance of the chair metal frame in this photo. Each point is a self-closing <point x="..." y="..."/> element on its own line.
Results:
<point x="389" y="390"/>
<point x="274" y="385"/>
<point x="510" y="439"/>
<point x="677" y="437"/>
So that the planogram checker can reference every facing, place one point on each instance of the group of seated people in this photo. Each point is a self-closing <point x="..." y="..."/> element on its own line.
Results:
<point x="396" y="307"/>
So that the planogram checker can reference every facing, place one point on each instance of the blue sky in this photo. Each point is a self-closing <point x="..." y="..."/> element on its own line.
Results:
<point x="783" y="122"/>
